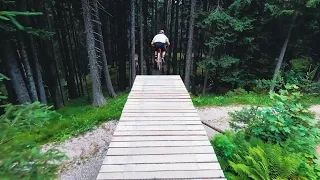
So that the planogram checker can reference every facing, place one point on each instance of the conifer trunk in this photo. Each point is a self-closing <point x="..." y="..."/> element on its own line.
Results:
<point x="190" y="43"/>
<point x="98" y="98"/>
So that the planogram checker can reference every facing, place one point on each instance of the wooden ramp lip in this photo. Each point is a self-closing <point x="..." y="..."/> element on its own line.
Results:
<point x="202" y="174"/>
<point x="160" y="135"/>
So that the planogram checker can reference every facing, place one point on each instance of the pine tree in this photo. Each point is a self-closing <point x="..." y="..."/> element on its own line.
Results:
<point x="98" y="98"/>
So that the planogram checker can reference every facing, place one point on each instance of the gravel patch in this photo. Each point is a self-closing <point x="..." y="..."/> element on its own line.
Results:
<point x="85" y="152"/>
<point x="218" y="117"/>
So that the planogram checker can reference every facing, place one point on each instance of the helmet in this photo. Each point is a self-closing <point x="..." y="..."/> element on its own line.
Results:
<point x="161" y="32"/>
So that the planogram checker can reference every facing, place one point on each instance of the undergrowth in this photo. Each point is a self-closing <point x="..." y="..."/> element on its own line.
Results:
<point x="246" y="99"/>
<point x="77" y="117"/>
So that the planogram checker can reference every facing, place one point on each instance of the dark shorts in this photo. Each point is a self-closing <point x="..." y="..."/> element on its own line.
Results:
<point x="160" y="45"/>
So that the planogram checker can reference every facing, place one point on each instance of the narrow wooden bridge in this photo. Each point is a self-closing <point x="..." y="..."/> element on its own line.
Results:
<point x="160" y="136"/>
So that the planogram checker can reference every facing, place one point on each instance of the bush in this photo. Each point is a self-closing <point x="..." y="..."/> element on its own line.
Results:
<point x="286" y="120"/>
<point x="237" y="92"/>
<point x="255" y="159"/>
<point x="273" y="142"/>
<point x="302" y="79"/>
<point x="20" y="158"/>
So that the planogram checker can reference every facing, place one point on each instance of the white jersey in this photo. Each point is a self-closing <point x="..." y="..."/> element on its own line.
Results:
<point x="160" y="38"/>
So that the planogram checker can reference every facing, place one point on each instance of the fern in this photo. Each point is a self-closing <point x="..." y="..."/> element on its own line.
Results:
<point x="255" y="159"/>
<point x="254" y="165"/>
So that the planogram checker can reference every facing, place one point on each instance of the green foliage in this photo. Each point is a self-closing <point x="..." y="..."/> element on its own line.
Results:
<point x="248" y="99"/>
<point x="222" y="67"/>
<point x="274" y="142"/>
<point x="243" y="158"/>
<point x="298" y="77"/>
<point x="2" y="77"/>
<point x="286" y="121"/>
<point x="312" y="3"/>
<point x="23" y="159"/>
<point x="77" y="117"/>
<point x="20" y="158"/>
<point x="10" y="16"/>
<point x="214" y="100"/>
<point x="237" y="92"/>
<point x="301" y="64"/>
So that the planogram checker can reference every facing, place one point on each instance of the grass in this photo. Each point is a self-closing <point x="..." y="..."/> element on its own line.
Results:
<point x="77" y="117"/>
<point x="248" y="99"/>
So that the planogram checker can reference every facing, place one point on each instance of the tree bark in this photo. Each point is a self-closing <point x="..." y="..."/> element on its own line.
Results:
<point x="141" y="38"/>
<point x="165" y="5"/>
<point x="72" y="86"/>
<point x="133" y="40"/>
<point x="171" y="37"/>
<point x="103" y="53"/>
<point x="282" y="53"/>
<point x="121" y="44"/>
<point x="98" y="99"/>
<point x="181" y="36"/>
<point x="175" y="45"/>
<point x="22" y="6"/>
<point x="27" y="68"/>
<point x="190" y="43"/>
<point x="40" y="86"/>
<point x="15" y="75"/>
<point x="156" y="16"/>
<point x="205" y="82"/>
<point x="147" y="34"/>
<point x="47" y="52"/>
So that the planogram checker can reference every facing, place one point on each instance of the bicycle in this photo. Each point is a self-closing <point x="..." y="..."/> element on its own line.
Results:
<point x="159" y="59"/>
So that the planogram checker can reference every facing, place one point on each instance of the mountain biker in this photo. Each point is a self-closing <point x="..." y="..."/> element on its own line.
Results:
<point x="160" y="41"/>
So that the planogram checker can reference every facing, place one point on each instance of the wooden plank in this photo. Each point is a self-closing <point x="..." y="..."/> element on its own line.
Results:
<point x="158" y="97"/>
<point x="207" y="174"/>
<point x="159" y="92"/>
<point x="159" y="150"/>
<point x="160" y="115"/>
<point x="158" y="133"/>
<point x="150" y="88"/>
<point x="161" y="128"/>
<point x="168" y="118"/>
<point x="150" y="159"/>
<point x="164" y="103"/>
<point x="147" y="92"/>
<point x="160" y="84"/>
<point x="159" y="167"/>
<point x="128" y="144"/>
<point x="158" y="106"/>
<point x="159" y="138"/>
<point x="159" y="100"/>
<point x="142" y="110"/>
<point x="148" y="123"/>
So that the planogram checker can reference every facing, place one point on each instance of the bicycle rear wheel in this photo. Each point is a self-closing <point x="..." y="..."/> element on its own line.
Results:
<point x="159" y="63"/>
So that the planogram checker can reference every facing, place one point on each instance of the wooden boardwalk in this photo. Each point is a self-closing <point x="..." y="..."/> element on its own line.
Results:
<point x="160" y="136"/>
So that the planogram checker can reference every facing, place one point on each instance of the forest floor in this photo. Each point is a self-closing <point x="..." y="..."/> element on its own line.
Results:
<point x="87" y="151"/>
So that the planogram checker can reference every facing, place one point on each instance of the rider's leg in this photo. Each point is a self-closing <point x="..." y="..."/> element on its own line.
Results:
<point x="163" y="54"/>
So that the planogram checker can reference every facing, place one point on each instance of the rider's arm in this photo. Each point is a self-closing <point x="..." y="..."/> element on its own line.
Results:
<point x="167" y="41"/>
